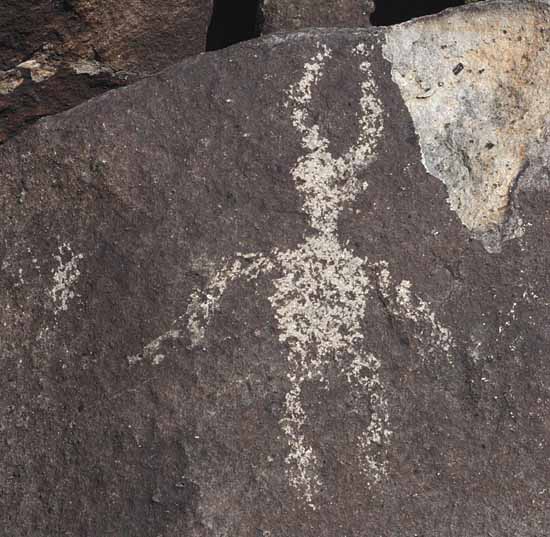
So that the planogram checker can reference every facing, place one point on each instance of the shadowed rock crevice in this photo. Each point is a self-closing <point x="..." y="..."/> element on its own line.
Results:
<point x="389" y="12"/>
<point x="232" y="23"/>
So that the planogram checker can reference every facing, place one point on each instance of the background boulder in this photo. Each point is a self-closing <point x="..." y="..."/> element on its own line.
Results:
<point x="280" y="15"/>
<point x="54" y="54"/>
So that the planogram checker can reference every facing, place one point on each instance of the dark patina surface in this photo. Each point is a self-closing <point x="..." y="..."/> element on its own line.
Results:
<point x="114" y="213"/>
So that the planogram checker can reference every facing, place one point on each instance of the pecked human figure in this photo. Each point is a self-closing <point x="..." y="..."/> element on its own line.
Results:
<point x="248" y="296"/>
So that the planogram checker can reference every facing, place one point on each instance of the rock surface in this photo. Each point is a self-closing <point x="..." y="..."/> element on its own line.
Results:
<point x="54" y="54"/>
<point x="241" y="298"/>
<point x="279" y="15"/>
<point x="484" y="122"/>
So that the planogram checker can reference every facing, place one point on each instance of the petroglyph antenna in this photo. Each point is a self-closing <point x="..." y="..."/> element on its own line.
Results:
<point x="320" y="297"/>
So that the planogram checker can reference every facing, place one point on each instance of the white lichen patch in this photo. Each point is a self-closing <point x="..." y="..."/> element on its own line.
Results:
<point x="476" y="85"/>
<point x="42" y="66"/>
<point x="89" y="67"/>
<point x="10" y="81"/>
<point x="64" y="276"/>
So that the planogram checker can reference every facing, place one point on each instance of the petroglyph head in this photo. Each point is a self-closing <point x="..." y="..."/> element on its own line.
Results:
<point x="328" y="182"/>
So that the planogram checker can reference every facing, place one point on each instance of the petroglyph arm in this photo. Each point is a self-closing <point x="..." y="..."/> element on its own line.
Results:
<point x="204" y="302"/>
<point x="403" y="303"/>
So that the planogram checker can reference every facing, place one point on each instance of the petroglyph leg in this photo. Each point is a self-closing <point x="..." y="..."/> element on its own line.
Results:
<point x="319" y="303"/>
<point x="363" y="375"/>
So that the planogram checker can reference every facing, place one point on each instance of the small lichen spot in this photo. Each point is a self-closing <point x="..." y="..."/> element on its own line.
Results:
<point x="64" y="277"/>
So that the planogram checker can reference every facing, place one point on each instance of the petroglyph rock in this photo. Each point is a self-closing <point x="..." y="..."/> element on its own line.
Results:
<point x="239" y="297"/>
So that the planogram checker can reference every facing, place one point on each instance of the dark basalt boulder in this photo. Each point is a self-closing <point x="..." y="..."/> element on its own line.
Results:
<point x="298" y="287"/>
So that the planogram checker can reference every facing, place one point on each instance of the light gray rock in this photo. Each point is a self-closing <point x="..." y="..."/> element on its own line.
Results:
<point x="474" y="85"/>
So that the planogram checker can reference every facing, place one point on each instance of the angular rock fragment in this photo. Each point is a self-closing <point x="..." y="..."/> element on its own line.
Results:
<point x="56" y="54"/>
<point x="482" y="120"/>
<point x="239" y="297"/>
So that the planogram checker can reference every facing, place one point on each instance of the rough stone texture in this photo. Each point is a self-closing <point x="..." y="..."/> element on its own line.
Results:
<point x="54" y="54"/>
<point x="485" y="119"/>
<point x="234" y="301"/>
<point x="279" y="15"/>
